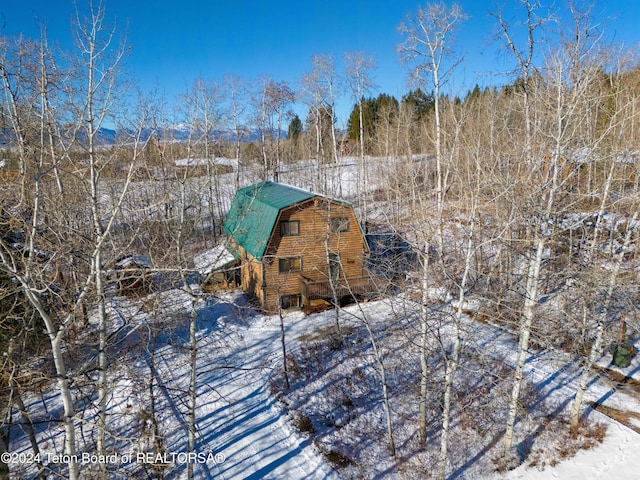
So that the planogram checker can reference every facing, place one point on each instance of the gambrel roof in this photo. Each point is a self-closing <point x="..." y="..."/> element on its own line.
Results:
<point x="255" y="210"/>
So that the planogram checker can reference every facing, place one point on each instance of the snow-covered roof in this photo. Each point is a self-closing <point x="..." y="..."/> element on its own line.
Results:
<point x="192" y="162"/>
<point x="136" y="260"/>
<point x="213" y="259"/>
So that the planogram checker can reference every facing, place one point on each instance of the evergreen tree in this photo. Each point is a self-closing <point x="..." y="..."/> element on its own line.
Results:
<point x="368" y="115"/>
<point x="420" y="102"/>
<point x="294" y="139"/>
<point x="372" y="111"/>
<point x="473" y="95"/>
<point x="295" y="129"/>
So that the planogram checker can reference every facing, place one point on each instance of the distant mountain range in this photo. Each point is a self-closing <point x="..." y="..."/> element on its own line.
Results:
<point x="180" y="134"/>
<point x="177" y="133"/>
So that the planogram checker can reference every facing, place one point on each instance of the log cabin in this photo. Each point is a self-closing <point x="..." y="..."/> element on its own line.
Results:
<point x="297" y="248"/>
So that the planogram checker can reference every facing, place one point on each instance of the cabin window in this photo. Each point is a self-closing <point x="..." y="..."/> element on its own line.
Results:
<point x="290" y="264"/>
<point x="289" y="228"/>
<point x="339" y="224"/>
<point x="290" y="301"/>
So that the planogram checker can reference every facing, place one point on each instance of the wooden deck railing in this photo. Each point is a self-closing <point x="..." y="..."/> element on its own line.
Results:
<point x="316" y="289"/>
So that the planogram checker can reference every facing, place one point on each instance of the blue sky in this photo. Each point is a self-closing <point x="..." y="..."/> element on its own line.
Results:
<point x="174" y="42"/>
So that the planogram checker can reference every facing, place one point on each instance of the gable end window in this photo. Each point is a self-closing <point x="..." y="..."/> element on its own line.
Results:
<point x="290" y="264"/>
<point x="339" y="224"/>
<point x="289" y="228"/>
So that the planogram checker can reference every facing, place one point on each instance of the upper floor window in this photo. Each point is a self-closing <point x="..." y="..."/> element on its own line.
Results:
<point x="339" y="224"/>
<point x="289" y="228"/>
<point x="289" y="264"/>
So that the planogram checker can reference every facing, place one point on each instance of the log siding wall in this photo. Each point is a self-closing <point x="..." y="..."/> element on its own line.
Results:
<point x="314" y="217"/>
<point x="261" y="279"/>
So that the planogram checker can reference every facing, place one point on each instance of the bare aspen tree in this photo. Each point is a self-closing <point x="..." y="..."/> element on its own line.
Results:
<point x="193" y="360"/>
<point x="608" y="135"/>
<point x="313" y="94"/>
<point x="56" y="336"/>
<point x="405" y="188"/>
<point x="204" y="115"/>
<point x="174" y="249"/>
<point x="334" y="267"/>
<point x="93" y="100"/>
<point x="236" y="107"/>
<point x="280" y="97"/>
<point x="386" y="127"/>
<point x="193" y="326"/>
<point x="46" y="149"/>
<point x="382" y="371"/>
<point x="261" y="119"/>
<point x="428" y="49"/>
<point x="15" y="82"/>
<point x="427" y="45"/>
<point x="272" y="104"/>
<point x="49" y="128"/>
<point x="22" y="265"/>
<point x="324" y="69"/>
<point x="16" y="398"/>
<point x="471" y="183"/>
<point x="358" y="71"/>
<point x="385" y="386"/>
<point x="524" y="58"/>
<point x="330" y="84"/>
<point x="283" y="340"/>
<point x="562" y="107"/>
<point x="358" y="75"/>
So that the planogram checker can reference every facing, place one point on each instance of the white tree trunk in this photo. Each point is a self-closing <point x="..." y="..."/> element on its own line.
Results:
<point x="385" y="387"/>
<point x="531" y="292"/>
<point x="193" y="326"/>
<point x="283" y="342"/>
<point x="424" y="337"/>
<point x="453" y="362"/>
<point x="63" y="380"/>
<point x="193" y="359"/>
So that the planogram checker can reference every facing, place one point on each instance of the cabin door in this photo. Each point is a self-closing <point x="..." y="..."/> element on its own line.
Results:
<point x="334" y="266"/>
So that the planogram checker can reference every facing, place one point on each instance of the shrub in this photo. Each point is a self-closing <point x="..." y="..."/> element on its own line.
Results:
<point x="339" y="459"/>
<point x="303" y="423"/>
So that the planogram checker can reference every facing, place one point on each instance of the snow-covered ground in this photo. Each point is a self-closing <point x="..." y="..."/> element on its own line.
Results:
<point x="238" y="417"/>
<point x="243" y="430"/>
<point x="616" y="457"/>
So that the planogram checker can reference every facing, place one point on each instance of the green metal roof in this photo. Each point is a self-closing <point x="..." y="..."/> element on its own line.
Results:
<point x="255" y="210"/>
